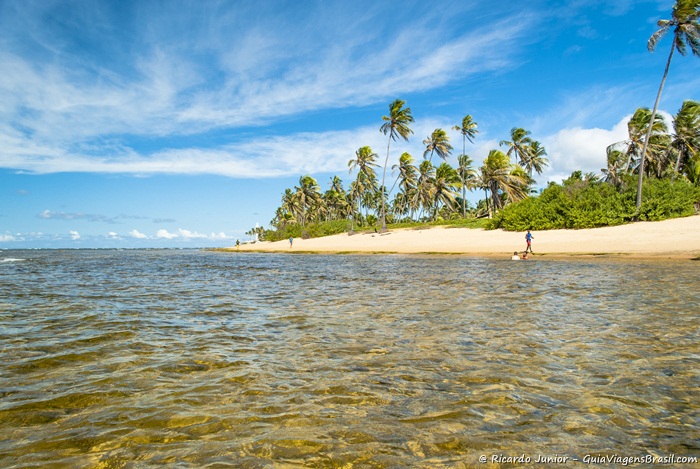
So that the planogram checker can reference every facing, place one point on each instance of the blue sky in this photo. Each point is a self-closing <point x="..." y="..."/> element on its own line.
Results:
<point x="180" y="123"/>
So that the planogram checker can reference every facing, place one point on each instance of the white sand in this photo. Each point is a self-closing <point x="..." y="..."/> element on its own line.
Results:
<point x="677" y="238"/>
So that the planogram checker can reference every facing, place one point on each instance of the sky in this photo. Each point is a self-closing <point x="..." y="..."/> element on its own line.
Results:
<point x="127" y="124"/>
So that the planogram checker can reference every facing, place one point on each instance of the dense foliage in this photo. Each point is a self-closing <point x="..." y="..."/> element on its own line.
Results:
<point x="588" y="203"/>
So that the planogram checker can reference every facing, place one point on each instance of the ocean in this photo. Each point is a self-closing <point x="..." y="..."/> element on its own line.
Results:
<point x="192" y="358"/>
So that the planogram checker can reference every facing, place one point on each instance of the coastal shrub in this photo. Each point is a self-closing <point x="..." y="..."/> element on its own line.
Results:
<point x="311" y="230"/>
<point x="663" y="198"/>
<point x="578" y="203"/>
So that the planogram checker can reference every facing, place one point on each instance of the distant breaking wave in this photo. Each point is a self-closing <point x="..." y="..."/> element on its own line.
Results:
<point x="11" y="259"/>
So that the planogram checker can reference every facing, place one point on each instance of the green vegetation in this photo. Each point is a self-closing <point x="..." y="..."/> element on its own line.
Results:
<point x="588" y="203"/>
<point x="664" y="162"/>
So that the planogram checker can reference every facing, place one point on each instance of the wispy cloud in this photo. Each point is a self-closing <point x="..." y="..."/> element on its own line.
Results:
<point x="75" y="113"/>
<point x="49" y="215"/>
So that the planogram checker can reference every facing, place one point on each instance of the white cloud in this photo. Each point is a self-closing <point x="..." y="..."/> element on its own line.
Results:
<point x="6" y="237"/>
<point x="113" y="235"/>
<point x="137" y="234"/>
<point x="165" y="234"/>
<point x="74" y="235"/>
<point x="577" y="148"/>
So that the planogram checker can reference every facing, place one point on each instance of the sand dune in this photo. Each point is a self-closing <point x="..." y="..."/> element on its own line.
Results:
<point x="677" y="238"/>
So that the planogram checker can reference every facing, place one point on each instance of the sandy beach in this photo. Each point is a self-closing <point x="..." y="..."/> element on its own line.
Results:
<point x="677" y="238"/>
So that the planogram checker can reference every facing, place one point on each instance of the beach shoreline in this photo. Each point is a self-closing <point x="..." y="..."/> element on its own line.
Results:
<point x="678" y="238"/>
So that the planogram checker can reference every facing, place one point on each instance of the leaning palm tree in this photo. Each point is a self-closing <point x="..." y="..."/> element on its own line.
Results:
<point x="519" y="144"/>
<point x="438" y="142"/>
<point x="686" y="138"/>
<point x="502" y="180"/>
<point x="468" y="129"/>
<point x="396" y="124"/>
<point x="686" y="33"/>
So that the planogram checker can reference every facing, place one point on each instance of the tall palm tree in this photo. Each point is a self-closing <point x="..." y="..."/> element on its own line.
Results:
<point x="396" y="124"/>
<point x="467" y="178"/>
<point x="686" y="138"/>
<point x="468" y="129"/>
<point x="519" y="144"/>
<point x="686" y="33"/>
<point x="535" y="159"/>
<point x="438" y="142"/>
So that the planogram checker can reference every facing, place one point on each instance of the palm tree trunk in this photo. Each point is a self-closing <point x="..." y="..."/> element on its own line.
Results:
<point x="651" y="125"/>
<point x="388" y="145"/>
<point x="678" y="164"/>
<point x="464" y="189"/>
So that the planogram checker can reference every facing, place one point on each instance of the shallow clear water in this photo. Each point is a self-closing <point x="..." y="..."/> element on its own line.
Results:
<point x="204" y="359"/>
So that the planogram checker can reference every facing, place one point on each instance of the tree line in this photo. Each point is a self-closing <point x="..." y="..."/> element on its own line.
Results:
<point x="426" y="191"/>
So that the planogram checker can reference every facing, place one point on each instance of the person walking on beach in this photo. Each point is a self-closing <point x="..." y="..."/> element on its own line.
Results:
<point x="291" y="241"/>
<point x="528" y="240"/>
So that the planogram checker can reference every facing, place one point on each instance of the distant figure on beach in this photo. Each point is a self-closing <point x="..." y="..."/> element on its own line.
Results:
<point x="291" y="241"/>
<point x="524" y="256"/>
<point x="238" y="244"/>
<point x="515" y="256"/>
<point x="528" y="240"/>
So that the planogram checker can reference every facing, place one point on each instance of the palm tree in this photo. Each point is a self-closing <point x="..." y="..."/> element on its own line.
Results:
<point x="519" y="144"/>
<point x="335" y="199"/>
<point x="365" y="161"/>
<point x="438" y="142"/>
<point x="535" y="159"/>
<point x="366" y="177"/>
<point x="686" y="138"/>
<point x="686" y="33"/>
<point x="468" y="129"/>
<point x="467" y="178"/>
<point x="308" y="194"/>
<point x="499" y="177"/>
<point x="423" y="197"/>
<point x="444" y="186"/>
<point x="616" y="160"/>
<point x="406" y="178"/>
<point x="290" y="204"/>
<point x="637" y="128"/>
<point x="396" y="124"/>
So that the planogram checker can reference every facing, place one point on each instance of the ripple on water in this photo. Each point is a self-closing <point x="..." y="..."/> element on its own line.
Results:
<point x="148" y="358"/>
